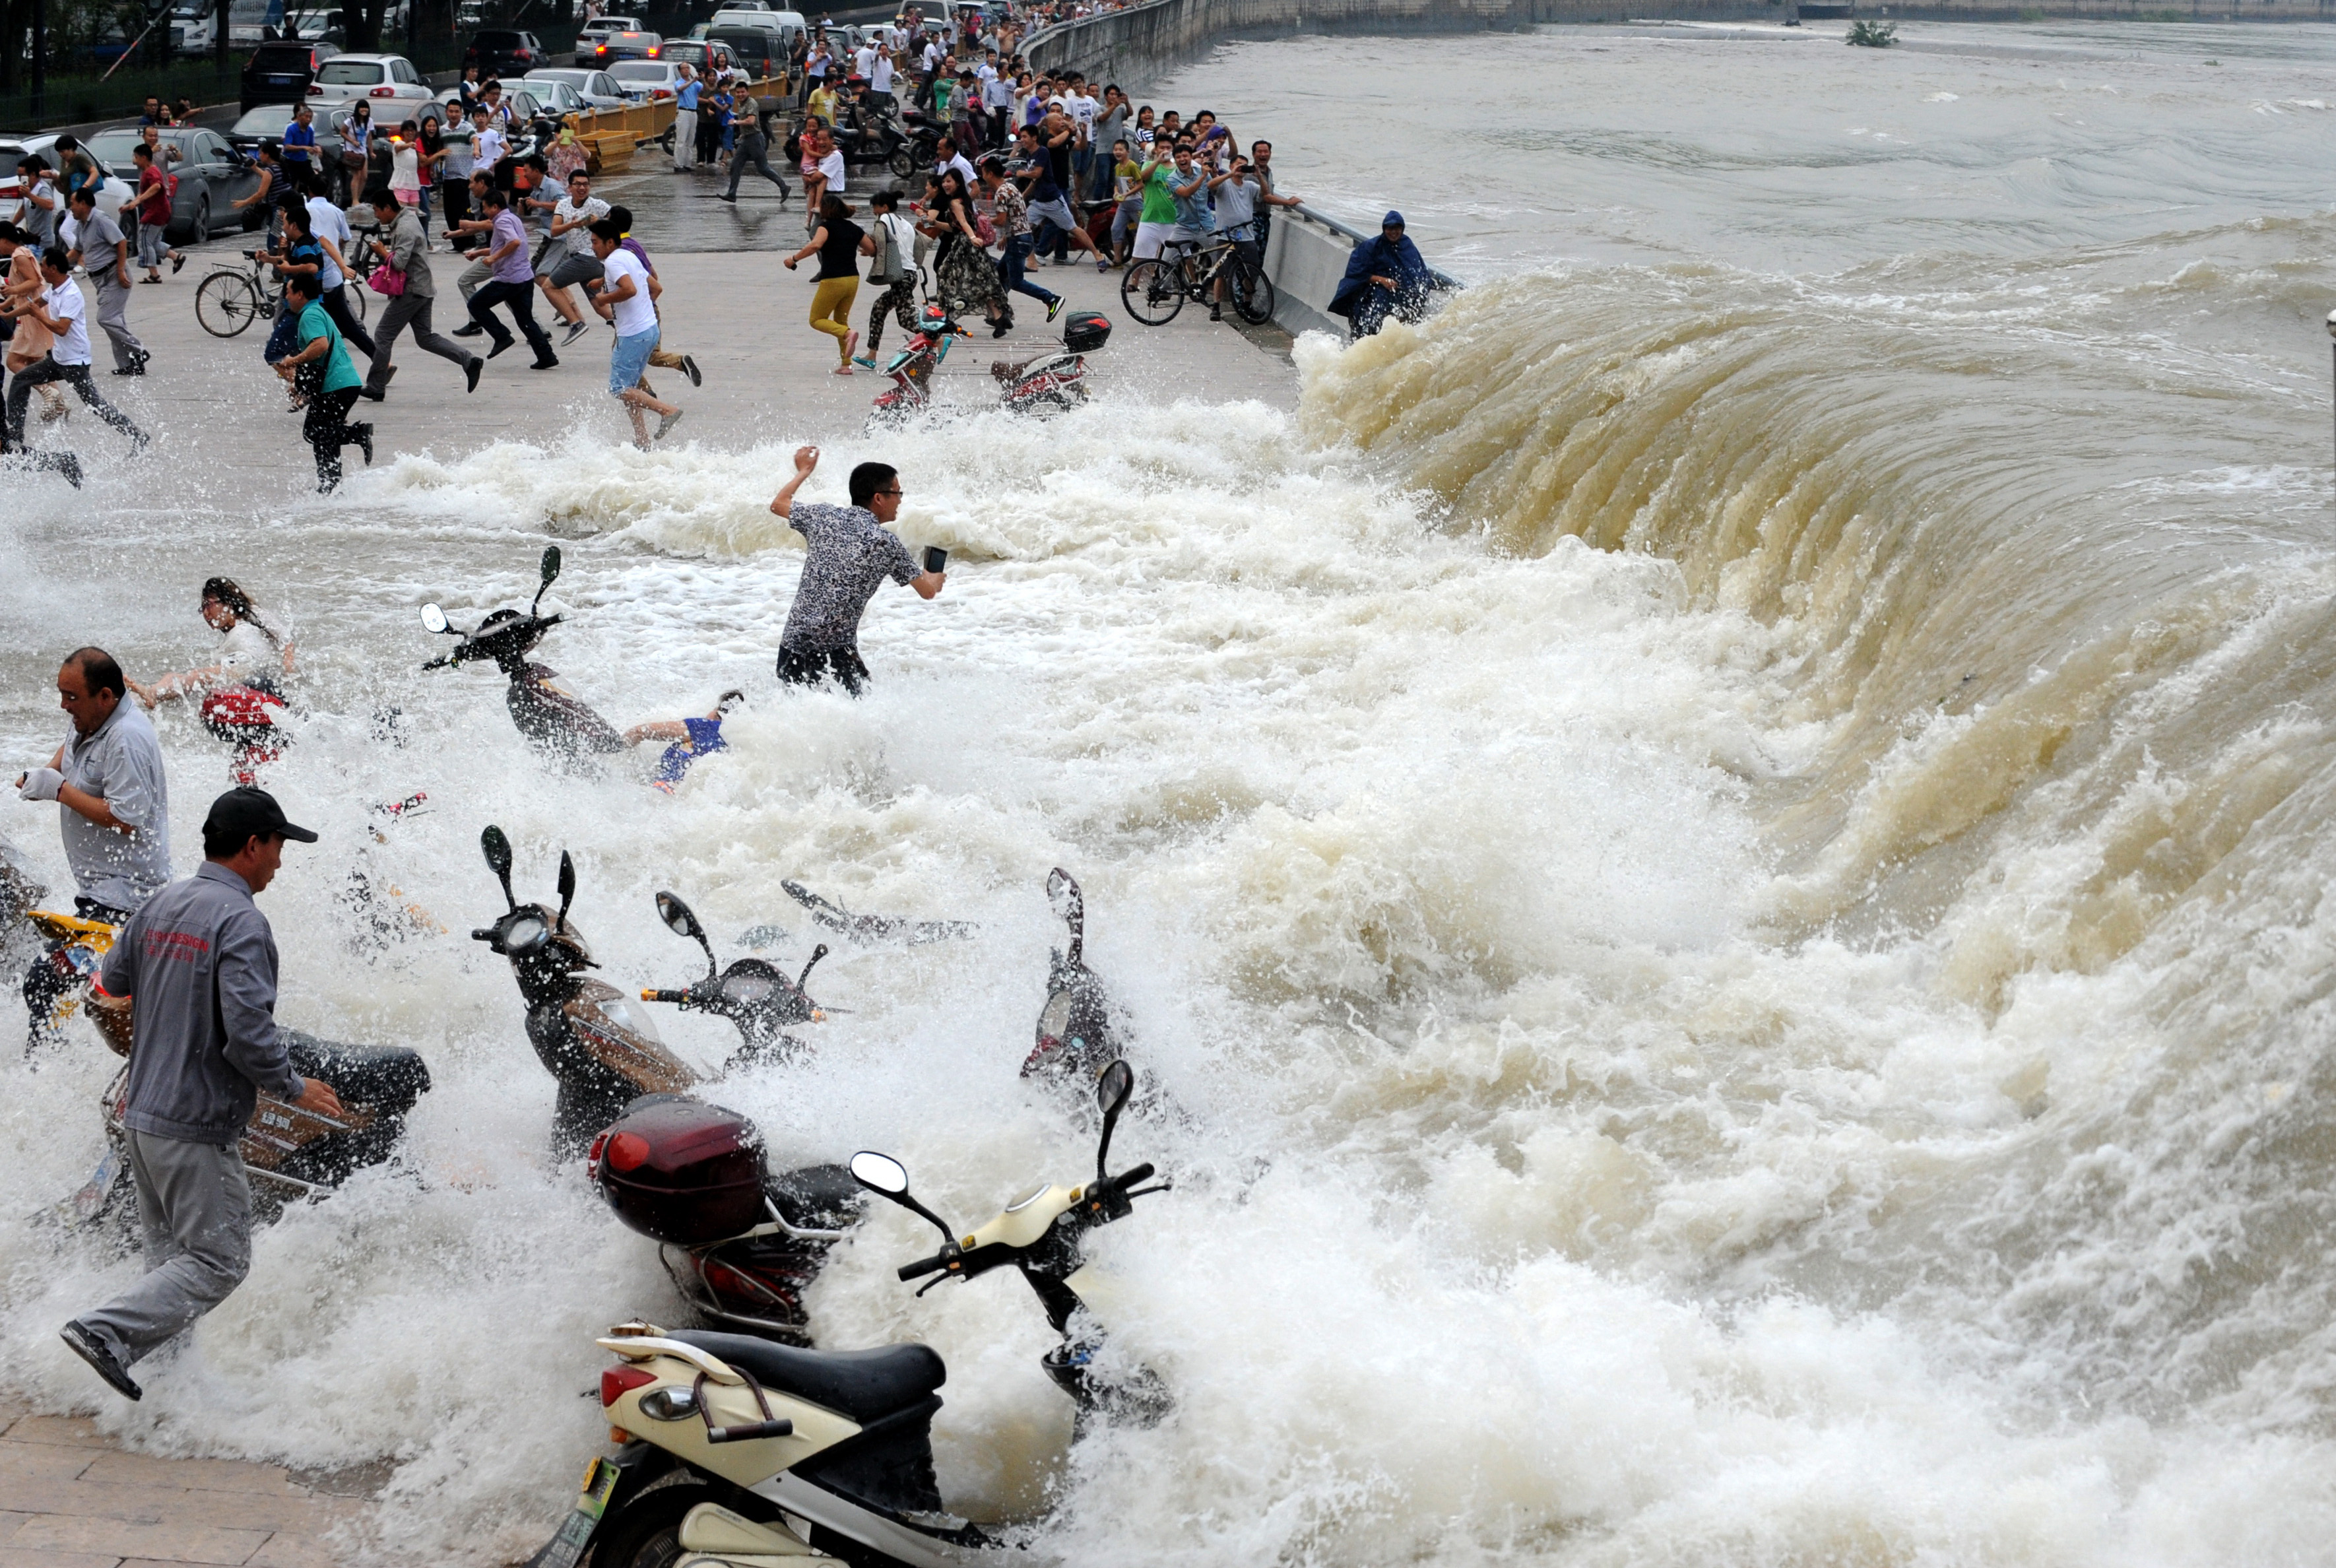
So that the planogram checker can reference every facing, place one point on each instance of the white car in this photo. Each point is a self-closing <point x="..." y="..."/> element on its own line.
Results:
<point x="392" y="84"/>
<point x="597" y="89"/>
<point x="644" y="80"/>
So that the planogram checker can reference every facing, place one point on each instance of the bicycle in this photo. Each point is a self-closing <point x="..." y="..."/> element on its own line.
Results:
<point x="1155" y="289"/>
<point x="232" y="298"/>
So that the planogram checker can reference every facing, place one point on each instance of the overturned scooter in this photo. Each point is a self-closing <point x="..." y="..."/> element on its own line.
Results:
<point x="735" y="1451"/>
<point x="551" y="718"/>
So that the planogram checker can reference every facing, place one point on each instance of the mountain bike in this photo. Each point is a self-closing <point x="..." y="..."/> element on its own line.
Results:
<point x="232" y="298"/>
<point x="1155" y="289"/>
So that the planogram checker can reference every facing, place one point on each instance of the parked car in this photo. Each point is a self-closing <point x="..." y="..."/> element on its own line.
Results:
<point x="504" y="51"/>
<point x="392" y="84"/>
<point x="557" y="98"/>
<point x="626" y="46"/>
<point x="282" y="71"/>
<point x="213" y="176"/>
<point x="759" y="51"/>
<point x="601" y="27"/>
<point x="655" y="78"/>
<point x="706" y="55"/>
<point x="266" y="125"/>
<point x="595" y="89"/>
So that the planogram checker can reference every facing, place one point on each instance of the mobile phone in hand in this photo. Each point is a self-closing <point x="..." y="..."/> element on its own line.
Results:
<point x="936" y="559"/>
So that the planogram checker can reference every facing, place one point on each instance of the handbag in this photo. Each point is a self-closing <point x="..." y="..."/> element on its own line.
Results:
<point x="386" y="281"/>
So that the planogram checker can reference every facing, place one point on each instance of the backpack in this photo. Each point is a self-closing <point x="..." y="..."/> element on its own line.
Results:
<point x="888" y="269"/>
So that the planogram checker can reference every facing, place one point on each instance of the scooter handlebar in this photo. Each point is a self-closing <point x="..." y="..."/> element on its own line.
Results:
<point x="654" y="995"/>
<point x="923" y="1266"/>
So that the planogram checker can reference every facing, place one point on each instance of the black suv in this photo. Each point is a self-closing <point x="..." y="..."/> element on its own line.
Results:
<point x="504" y="51"/>
<point x="761" y="51"/>
<point x="279" y="71"/>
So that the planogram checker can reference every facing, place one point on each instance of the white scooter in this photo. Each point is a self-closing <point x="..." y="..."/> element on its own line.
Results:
<point x="741" y="1453"/>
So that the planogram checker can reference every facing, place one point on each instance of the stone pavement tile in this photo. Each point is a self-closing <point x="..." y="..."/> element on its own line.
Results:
<point x="123" y="1538"/>
<point x="10" y="1557"/>
<point x="287" y="1549"/>
<point x="207" y="1475"/>
<point x="72" y="1431"/>
<point x="9" y="1524"/>
<point x="159" y="1504"/>
<point x="41" y="1464"/>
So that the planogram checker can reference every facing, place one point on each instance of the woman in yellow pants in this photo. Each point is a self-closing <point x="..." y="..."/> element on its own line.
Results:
<point x="838" y="243"/>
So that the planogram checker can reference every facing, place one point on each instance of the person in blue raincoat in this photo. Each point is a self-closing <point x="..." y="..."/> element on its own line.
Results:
<point x="1383" y="275"/>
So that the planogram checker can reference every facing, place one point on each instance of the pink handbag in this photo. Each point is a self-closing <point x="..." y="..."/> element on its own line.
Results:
<point x="386" y="281"/>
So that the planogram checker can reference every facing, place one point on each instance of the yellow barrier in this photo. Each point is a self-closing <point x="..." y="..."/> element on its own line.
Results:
<point x="639" y="124"/>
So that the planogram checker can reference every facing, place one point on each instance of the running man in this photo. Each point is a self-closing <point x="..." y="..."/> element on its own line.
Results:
<point x="628" y="292"/>
<point x="849" y="554"/>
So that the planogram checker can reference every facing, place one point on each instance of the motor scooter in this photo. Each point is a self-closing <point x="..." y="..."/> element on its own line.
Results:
<point x="288" y="1151"/>
<point x="1057" y="379"/>
<point x="911" y="368"/>
<point x="733" y="1451"/>
<point x="552" y="717"/>
<point x="1077" y="1030"/>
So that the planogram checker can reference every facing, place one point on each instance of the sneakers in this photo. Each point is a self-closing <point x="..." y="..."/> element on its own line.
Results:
<point x="689" y="368"/>
<point x="363" y="432"/>
<point x="498" y="347"/>
<point x="575" y="331"/>
<point x="470" y="373"/>
<point x="83" y="1342"/>
<point x="473" y="330"/>
<point x="667" y="422"/>
<point x="1054" y="308"/>
<point x="727" y="197"/>
<point x="549" y="362"/>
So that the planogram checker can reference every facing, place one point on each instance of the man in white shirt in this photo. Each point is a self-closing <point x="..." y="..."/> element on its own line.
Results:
<point x="490" y="143"/>
<point x="948" y="156"/>
<point x="880" y="77"/>
<point x="863" y="62"/>
<point x="570" y="259"/>
<point x="61" y="310"/>
<point x="626" y="296"/>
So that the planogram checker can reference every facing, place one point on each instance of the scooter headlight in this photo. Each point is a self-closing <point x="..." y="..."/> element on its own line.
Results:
<point x="526" y="935"/>
<point x="1055" y="1017"/>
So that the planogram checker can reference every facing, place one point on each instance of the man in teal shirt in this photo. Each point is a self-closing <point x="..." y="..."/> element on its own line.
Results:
<point x="322" y="369"/>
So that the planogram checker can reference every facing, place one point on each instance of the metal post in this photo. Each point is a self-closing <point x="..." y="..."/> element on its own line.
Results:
<point x="2332" y="333"/>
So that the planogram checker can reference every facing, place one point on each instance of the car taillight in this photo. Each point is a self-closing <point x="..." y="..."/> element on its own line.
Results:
<point x="382" y="92"/>
<point x="628" y="1152"/>
<point x="617" y="1382"/>
<point x="315" y="90"/>
<point x="655" y="52"/>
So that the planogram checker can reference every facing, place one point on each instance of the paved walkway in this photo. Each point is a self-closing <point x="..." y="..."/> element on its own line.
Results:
<point x="217" y="410"/>
<point x="68" y="1500"/>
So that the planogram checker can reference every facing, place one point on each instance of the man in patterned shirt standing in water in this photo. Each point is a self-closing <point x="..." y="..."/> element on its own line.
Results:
<point x="849" y="554"/>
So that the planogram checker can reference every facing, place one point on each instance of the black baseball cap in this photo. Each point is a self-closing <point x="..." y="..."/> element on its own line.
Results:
<point x="243" y="815"/>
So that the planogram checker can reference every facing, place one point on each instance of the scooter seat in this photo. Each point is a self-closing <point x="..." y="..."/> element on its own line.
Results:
<point x="386" y="1079"/>
<point x="817" y="1198"/>
<point x="864" y="1385"/>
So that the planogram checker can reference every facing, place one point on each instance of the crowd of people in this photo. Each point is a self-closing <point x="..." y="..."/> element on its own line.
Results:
<point x="1030" y="168"/>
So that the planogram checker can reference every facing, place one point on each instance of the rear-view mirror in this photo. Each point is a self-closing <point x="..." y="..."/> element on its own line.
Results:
<point x="881" y="1174"/>
<point x="433" y="620"/>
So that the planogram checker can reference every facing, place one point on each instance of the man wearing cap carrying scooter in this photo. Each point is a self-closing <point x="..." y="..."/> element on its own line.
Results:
<point x="198" y="961"/>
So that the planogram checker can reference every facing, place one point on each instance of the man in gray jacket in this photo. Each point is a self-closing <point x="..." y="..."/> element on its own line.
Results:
<point x="198" y="964"/>
<point x="407" y="250"/>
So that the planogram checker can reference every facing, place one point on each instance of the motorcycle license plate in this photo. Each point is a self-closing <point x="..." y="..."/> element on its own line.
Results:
<point x="576" y="1530"/>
